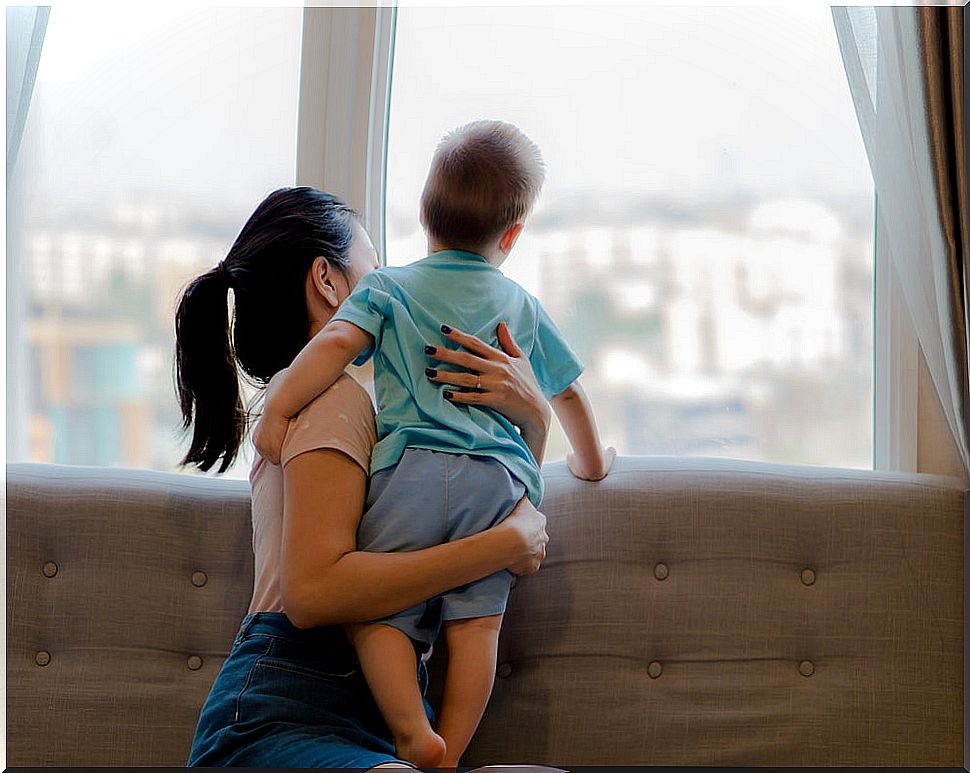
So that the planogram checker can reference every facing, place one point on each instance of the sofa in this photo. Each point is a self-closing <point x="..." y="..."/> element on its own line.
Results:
<point x="689" y="611"/>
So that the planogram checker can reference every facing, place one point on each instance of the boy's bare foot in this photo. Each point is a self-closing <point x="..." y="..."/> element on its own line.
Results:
<point x="424" y="749"/>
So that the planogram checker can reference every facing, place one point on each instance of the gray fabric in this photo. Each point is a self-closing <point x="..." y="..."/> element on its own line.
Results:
<point x="668" y="624"/>
<point x="121" y="617"/>
<point x="430" y="497"/>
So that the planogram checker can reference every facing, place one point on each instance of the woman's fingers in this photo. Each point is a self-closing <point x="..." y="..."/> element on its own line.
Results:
<point x="469" y="380"/>
<point x="506" y="341"/>
<point x="461" y="359"/>
<point x="466" y="398"/>
<point x="472" y="343"/>
<point x="531" y="526"/>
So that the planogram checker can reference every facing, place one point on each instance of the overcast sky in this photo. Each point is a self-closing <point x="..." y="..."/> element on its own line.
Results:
<point x="655" y="98"/>
<point x="202" y="102"/>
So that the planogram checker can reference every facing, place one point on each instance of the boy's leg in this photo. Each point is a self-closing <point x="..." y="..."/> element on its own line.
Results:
<point x="389" y="664"/>
<point x="472" y="650"/>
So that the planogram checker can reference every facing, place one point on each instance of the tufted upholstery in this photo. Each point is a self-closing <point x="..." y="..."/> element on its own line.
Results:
<point x="690" y="611"/>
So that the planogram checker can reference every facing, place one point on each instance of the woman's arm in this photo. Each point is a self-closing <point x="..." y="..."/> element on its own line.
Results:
<point x="325" y="580"/>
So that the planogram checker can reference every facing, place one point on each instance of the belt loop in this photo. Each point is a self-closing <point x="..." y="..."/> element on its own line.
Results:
<point x="247" y="623"/>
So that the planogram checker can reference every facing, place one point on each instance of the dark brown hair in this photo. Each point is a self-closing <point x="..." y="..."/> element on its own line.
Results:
<point x="485" y="177"/>
<point x="266" y="269"/>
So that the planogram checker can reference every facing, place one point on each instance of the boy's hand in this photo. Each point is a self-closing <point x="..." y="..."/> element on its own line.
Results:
<point x="268" y="436"/>
<point x="270" y="430"/>
<point x="607" y="457"/>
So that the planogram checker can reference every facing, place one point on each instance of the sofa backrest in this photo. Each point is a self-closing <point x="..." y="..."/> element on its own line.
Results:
<point x="124" y="590"/>
<point x="690" y="611"/>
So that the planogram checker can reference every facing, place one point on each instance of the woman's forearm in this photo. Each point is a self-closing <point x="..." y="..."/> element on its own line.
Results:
<point x="324" y="580"/>
<point x="397" y="581"/>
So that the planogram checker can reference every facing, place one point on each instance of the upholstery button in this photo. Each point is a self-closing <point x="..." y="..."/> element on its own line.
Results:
<point x="808" y="576"/>
<point x="504" y="670"/>
<point x="194" y="662"/>
<point x="660" y="571"/>
<point x="42" y="658"/>
<point x="806" y="668"/>
<point x="199" y="579"/>
<point x="654" y="669"/>
<point x="50" y="569"/>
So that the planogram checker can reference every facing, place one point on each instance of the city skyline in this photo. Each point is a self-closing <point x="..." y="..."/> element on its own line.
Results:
<point x="697" y="314"/>
<point x="684" y="357"/>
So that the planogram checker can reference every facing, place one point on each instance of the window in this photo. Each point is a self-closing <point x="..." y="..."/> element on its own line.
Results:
<point x="152" y="135"/>
<point x="704" y="239"/>
<point x="705" y="235"/>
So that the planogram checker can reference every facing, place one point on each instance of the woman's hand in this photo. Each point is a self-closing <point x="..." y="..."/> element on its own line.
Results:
<point x="529" y="526"/>
<point x="503" y="380"/>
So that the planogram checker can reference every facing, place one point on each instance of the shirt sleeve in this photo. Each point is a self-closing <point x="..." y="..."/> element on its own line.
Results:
<point x="341" y="418"/>
<point x="555" y="364"/>
<point x="366" y="307"/>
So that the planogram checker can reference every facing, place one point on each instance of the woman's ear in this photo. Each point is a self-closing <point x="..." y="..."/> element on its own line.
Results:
<point x="324" y="277"/>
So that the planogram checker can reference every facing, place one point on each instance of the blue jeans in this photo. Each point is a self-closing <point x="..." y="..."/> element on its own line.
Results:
<point x="287" y="697"/>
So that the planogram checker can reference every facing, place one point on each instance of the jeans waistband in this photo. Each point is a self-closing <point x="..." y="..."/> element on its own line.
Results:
<point x="325" y="638"/>
<point x="278" y="624"/>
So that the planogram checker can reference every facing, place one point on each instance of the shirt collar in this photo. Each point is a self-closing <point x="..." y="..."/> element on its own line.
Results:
<point x="458" y="256"/>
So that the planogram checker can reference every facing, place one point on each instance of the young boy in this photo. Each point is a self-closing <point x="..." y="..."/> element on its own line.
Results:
<point x="442" y="470"/>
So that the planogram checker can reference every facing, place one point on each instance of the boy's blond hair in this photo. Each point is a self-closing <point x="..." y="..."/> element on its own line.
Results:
<point x="485" y="177"/>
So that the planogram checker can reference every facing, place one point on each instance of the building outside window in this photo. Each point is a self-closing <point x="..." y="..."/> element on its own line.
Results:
<point x="152" y="134"/>
<point x="705" y="235"/>
<point x="704" y="238"/>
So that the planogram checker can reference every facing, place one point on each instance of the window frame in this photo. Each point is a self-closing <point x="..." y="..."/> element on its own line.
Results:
<point x="346" y="62"/>
<point x="334" y="37"/>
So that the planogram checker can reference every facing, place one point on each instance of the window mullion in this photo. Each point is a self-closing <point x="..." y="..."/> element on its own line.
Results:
<point x="344" y="91"/>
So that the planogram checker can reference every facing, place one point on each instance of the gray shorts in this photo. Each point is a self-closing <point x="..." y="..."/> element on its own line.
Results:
<point x="432" y="497"/>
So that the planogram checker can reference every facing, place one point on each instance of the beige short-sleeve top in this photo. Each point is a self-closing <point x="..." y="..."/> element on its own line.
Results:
<point x="341" y="418"/>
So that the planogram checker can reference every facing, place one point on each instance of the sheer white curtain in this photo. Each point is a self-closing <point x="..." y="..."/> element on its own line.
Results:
<point x="892" y="58"/>
<point x="26" y="26"/>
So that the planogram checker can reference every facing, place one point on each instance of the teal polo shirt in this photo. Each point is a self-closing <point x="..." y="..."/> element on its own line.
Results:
<point x="403" y="308"/>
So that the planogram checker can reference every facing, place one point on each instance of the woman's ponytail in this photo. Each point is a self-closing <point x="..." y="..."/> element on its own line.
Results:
<point x="206" y="375"/>
<point x="267" y="268"/>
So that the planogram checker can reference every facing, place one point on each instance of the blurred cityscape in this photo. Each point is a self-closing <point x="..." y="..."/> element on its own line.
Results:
<point x="722" y="328"/>
<point x="736" y="324"/>
<point x="730" y="329"/>
<point x="99" y="331"/>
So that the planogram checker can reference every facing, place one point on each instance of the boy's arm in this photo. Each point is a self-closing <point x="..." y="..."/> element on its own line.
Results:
<point x="588" y="460"/>
<point x="313" y="371"/>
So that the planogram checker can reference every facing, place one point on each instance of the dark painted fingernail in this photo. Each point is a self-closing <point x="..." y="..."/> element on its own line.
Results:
<point x="445" y="329"/>
<point x="430" y="349"/>
<point x="430" y="372"/>
<point x="448" y="395"/>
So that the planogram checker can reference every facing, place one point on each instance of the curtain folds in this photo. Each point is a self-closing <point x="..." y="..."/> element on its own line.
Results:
<point x="26" y="27"/>
<point x="905" y="68"/>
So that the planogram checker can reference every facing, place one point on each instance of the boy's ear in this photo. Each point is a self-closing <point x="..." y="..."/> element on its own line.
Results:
<point x="507" y="240"/>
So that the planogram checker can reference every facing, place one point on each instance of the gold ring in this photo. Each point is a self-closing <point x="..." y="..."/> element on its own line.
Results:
<point x="478" y="385"/>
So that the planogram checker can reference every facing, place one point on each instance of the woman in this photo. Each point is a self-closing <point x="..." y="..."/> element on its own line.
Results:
<point x="291" y="694"/>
